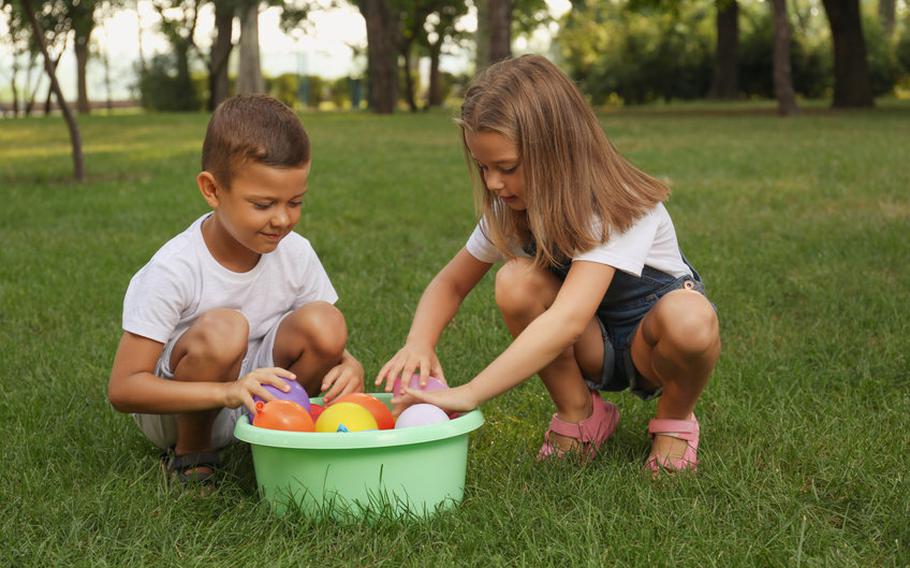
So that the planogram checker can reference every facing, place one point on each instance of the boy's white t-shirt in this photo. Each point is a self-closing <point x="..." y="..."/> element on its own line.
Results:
<point x="650" y="241"/>
<point x="183" y="281"/>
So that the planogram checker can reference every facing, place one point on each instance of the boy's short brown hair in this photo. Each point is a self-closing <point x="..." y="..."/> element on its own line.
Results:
<point x="253" y="127"/>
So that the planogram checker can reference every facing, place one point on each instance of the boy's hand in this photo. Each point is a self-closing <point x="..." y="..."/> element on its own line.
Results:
<point x="344" y="378"/>
<point x="411" y="359"/>
<point x="243" y="389"/>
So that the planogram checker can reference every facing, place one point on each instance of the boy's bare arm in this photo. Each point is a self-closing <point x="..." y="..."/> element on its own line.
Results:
<point x="133" y="387"/>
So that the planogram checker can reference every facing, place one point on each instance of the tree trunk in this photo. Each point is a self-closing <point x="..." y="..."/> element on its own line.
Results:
<point x="886" y="15"/>
<point x="221" y="52"/>
<point x="82" y="54"/>
<point x="434" y="91"/>
<point x="500" y="30"/>
<point x="142" y="68"/>
<point x="107" y="81"/>
<point x="249" y="74"/>
<point x="50" y="87"/>
<point x="75" y="137"/>
<point x="851" y="70"/>
<point x="31" y="90"/>
<point x="482" y="35"/>
<point x="783" y="80"/>
<point x="12" y="83"/>
<point x="725" y="84"/>
<point x="382" y="55"/>
<point x="408" y="77"/>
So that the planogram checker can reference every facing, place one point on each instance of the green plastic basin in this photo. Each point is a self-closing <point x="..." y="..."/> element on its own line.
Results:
<point x="413" y="471"/>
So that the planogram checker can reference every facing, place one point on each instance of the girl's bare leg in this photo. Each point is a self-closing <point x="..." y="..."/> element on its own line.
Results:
<point x="523" y="292"/>
<point x="676" y="346"/>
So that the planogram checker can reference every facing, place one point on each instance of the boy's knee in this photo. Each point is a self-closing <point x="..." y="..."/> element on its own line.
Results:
<point x="219" y="336"/>
<point x="518" y="285"/>
<point x="323" y="328"/>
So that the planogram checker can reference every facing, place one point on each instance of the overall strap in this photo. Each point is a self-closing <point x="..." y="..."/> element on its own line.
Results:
<point x="695" y="273"/>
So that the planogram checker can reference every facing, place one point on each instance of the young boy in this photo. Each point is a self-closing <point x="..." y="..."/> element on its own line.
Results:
<point x="237" y="294"/>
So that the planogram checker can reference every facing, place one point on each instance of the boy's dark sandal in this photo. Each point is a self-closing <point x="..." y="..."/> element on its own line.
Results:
<point x="186" y="468"/>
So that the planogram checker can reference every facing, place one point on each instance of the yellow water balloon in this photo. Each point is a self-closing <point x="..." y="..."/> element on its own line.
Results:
<point x="345" y="416"/>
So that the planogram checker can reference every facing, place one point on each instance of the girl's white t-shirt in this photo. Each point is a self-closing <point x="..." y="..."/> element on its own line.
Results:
<point x="183" y="280"/>
<point x="650" y="241"/>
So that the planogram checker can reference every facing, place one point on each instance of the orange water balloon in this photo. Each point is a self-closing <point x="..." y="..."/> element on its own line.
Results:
<point x="377" y="408"/>
<point x="282" y="415"/>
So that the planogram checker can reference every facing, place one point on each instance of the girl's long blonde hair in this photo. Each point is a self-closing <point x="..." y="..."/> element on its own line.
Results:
<point x="572" y="174"/>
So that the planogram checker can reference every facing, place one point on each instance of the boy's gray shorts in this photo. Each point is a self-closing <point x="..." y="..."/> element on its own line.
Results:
<point x="161" y="429"/>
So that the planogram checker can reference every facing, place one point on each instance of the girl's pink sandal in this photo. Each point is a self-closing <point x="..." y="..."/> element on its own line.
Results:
<point x="591" y="432"/>
<point x="687" y="430"/>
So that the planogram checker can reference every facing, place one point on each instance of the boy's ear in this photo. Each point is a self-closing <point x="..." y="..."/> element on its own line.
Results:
<point x="208" y="187"/>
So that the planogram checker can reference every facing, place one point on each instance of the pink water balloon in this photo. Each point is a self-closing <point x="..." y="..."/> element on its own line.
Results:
<point x="421" y="415"/>
<point x="433" y="384"/>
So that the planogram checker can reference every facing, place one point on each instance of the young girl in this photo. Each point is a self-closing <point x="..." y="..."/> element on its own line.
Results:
<point x="594" y="287"/>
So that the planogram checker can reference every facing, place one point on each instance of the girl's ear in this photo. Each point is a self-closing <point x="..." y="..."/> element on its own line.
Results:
<point x="208" y="187"/>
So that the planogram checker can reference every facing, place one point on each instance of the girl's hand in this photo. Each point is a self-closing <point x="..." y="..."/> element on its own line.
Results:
<point x="344" y="378"/>
<point x="243" y="389"/>
<point x="411" y="359"/>
<point x="458" y="399"/>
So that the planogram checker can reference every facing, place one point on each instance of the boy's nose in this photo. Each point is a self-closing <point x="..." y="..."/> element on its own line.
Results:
<point x="281" y="218"/>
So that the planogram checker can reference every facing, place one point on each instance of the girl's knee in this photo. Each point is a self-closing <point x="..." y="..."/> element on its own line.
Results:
<point x="322" y="327"/>
<point x="520" y="286"/>
<point x="689" y="322"/>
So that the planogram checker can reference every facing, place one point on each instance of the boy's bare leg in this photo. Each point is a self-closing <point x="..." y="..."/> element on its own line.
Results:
<point x="310" y="342"/>
<point x="523" y="292"/>
<point x="210" y="351"/>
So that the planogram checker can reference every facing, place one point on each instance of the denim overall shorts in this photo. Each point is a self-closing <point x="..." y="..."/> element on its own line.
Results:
<point x="621" y="310"/>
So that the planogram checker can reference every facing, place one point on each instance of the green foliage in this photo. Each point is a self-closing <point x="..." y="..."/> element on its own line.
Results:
<point x="309" y="90"/>
<point x="643" y="50"/>
<point x="884" y="69"/>
<point x="811" y="64"/>
<point x="340" y="92"/>
<point x="638" y="55"/>
<point x="284" y="88"/>
<point x="162" y="88"/>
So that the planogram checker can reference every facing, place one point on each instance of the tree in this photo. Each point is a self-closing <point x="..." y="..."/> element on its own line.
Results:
<point x="500" y="14"/>
<point x="382" y="52"/>
<point x="413" y="17"/>
<point x="482" y="35"/>
<point x="82" y="17"/>
<point x="439" y="28"/>
<point x="499" y="20"/>
<point x="180" y="28"/>
<point x="18" y="41"/>
<point x="852" y="87"/>
<point x="725" y="82"/>
<point x="886" y="15"/>
<point x="249" y="72"/>
<point x="219" y="84"/>
<point x="783" y="81"/>
<point x="75" y="136"/>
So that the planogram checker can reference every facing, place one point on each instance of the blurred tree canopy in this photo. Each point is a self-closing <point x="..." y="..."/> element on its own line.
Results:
<point x="636" y="51"/>
<point x="633" y="51"/>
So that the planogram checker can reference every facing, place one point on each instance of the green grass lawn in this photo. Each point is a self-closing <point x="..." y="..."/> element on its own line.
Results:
<point x="800" y="228"/>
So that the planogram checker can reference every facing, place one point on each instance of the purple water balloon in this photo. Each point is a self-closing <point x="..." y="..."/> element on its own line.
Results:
<point x="420" y="415"/>
<point x="296" y="394"/>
